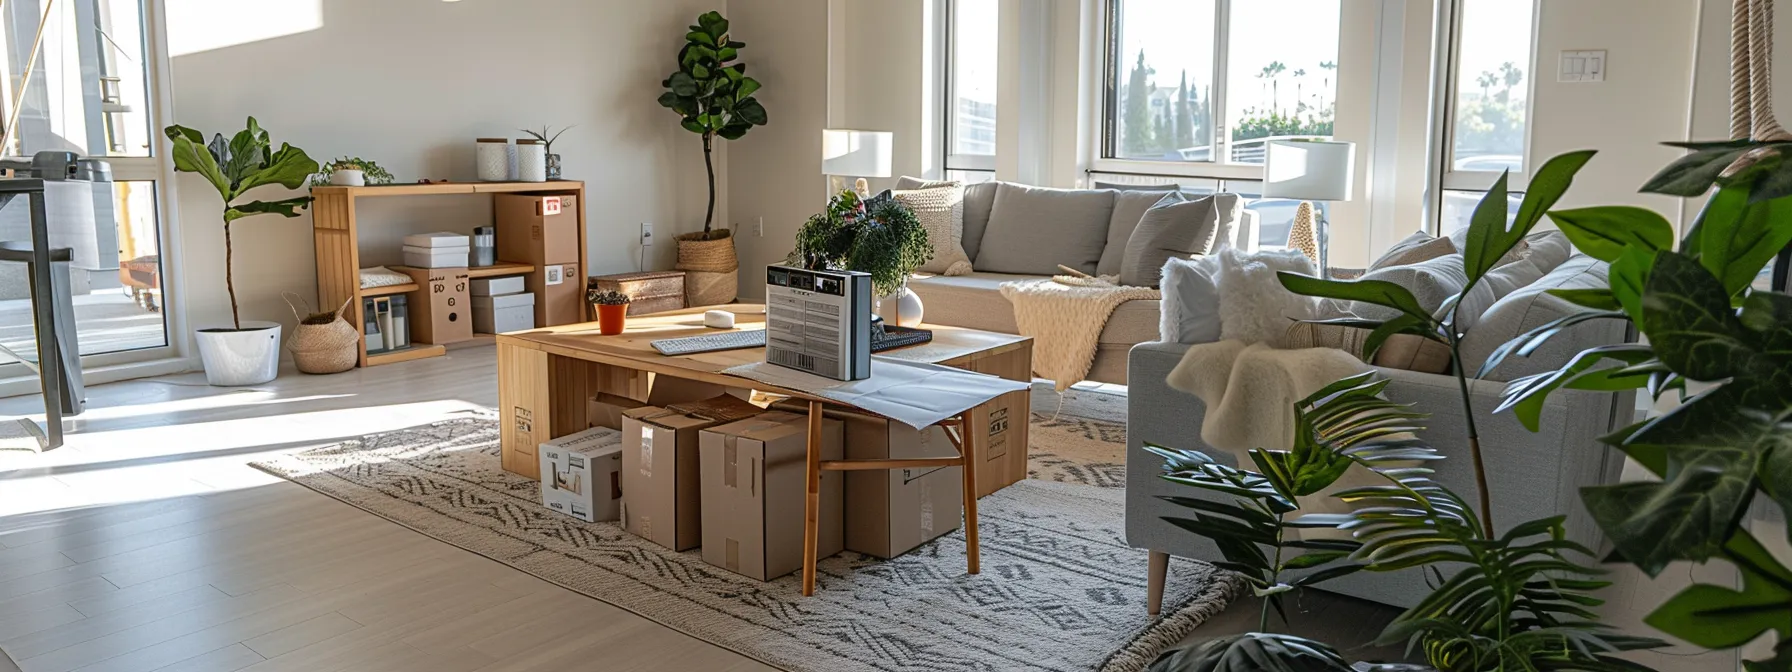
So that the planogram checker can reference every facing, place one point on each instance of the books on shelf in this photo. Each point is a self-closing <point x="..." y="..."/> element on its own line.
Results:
<point x="385" y="322"/>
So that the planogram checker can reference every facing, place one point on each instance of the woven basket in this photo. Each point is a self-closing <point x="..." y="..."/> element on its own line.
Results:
<point x="711" y="270"/>
<point x="332" y="347"/>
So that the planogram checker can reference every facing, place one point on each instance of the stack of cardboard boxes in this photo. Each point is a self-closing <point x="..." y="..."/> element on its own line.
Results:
<point x="544" y="231"/>
<point x="728" y="476"/>
<point x="502" y="305"/>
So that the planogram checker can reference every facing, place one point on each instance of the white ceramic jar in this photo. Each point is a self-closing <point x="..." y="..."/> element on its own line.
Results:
<point x="493" y="157"/>
<point x="531" y="161"/>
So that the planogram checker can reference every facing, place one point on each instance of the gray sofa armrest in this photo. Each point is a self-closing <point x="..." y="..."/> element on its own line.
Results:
<point x="1532" y="475"/>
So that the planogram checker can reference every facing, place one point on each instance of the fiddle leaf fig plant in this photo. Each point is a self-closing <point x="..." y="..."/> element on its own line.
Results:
<point x="712" y="94"/>
<point x="235" y="167"/>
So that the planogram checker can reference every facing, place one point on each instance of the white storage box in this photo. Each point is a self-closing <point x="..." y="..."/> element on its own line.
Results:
<point x="497" y="286"/>
<point x="439" y="239"/>
<point x="501" y="314"/>
<point x="581" y="474"/>
<point x="436" y="257"/>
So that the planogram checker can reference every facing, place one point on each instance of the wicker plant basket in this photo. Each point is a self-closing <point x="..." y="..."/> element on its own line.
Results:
<point x="323" y="342"/>
<point x="711" y="269"/>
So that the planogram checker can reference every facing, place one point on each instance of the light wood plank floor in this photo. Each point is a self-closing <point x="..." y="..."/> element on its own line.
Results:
<point x="149" y="544"/>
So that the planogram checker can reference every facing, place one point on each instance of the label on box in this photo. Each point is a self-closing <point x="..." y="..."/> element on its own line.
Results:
<point x="550" y="206"/>
<point x="555" y="274"/>
<point x="647" y="451"/>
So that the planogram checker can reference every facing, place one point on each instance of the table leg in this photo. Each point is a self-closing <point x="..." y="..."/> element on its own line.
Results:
<point x="812" y="500"/>
<point x="967" y="445"/>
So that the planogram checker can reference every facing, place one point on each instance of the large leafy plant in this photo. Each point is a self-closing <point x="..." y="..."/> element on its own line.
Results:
<point x="881" y="237"/>
<point x="712" y="94"/>
<point x="235" y="167"/>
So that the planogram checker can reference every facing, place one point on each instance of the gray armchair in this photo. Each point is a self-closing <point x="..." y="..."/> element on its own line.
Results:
<point x="1533" y="475"/>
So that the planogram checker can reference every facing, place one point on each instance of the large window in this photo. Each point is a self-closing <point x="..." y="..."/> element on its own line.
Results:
<point x="971" y="90"/>
<point x="1210" y="81"/>
<point x="90" y="92"/>
<point x="1487" y="105"/>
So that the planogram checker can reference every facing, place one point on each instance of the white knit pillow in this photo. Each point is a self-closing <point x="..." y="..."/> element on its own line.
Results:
<point x="941" y="211"/>
<point x="1254" y="306"/>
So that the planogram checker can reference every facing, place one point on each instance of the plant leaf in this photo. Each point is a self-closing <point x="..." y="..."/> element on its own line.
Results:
<point x="191" y="156"/>
<point x="288" y="168"/>
<point x="1596" y="299"/>
<point x="1629" y="276"/>
<point x="1714" y="617"/>
<point x="1604" y="232"/>
<point x="1378" y="292"/>
<point x="1687" y="317"/>
<point x="286" y="208"/>
<point x="1692" y="175"/>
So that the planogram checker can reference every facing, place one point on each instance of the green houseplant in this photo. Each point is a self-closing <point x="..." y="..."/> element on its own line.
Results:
<point x="350" y="171"/>
<point x="241" y="355"/>
<point x="880" y="237"/>
<point x="713" y="97"/>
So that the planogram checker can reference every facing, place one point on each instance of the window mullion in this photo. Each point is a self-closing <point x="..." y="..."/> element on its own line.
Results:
<point x="1222" y="124"/>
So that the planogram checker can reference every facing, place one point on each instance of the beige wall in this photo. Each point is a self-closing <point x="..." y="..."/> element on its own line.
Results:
<point x="880" y="87"/>
<point x="410" y="83"/>
<point x="775" y="172"/>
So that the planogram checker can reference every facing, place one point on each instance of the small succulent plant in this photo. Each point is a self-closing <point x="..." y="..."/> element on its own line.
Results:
<point x="610" y="298"/>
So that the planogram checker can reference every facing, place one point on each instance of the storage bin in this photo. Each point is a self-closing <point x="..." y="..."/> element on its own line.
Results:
<point x="502" y="314"/>
<point x="436" y="257"/>
<point x="648" y="292"/>
<point x="438" y="239"/>
<point x="498" y="286"/>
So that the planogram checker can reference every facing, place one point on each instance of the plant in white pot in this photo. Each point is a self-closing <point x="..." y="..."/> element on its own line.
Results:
<point x="713" y="97"/>
<point x="350" y="171"/>
<point x="241" y="354"/>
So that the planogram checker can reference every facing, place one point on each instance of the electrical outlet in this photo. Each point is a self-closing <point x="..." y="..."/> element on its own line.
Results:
<point x="761" y="227"/>
<point x="646" y="234"/>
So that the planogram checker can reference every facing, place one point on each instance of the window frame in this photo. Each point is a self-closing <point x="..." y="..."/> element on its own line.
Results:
<point x="157" y="169"/>
<point x="1107" y="101"/>
<point x="950" y="160"/>
<point x="1446" y="80"/>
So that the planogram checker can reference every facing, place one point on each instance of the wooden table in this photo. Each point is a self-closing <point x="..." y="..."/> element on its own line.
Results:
<point x="547" y="376"/>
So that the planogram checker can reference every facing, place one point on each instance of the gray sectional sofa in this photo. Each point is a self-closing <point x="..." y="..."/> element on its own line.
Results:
<point x="1034" y="231"/>
<point x="1532" y="475"/>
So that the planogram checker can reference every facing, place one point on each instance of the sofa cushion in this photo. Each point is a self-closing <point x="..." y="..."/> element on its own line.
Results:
<point x="1549" y="250"/>
<point x="1129" y="207"/>
<point x="1191" y="303"/>
<point x="1497" y="284"/>
<point x="1419" y="246"/>
<point x="1034" y="230"/>
<point x="941" y="211"/>
<point x="1175" y="227"/>
<point x="1254" y="306"/>
<point x="979" y="199"/>
<point x="975" y="301"/>
<point x="1432" y="282"/>
<point x="1531" y="307"/>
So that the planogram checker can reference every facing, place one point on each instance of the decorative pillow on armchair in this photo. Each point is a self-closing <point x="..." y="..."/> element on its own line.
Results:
<point x="1176" y="227"/>
<point x="1432" y="282"/>
<point x="1254" y="306"/>
<point x="941" y="211"/>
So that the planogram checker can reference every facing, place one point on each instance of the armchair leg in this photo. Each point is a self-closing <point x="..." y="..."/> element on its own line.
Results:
<point x="1154" y="585"/>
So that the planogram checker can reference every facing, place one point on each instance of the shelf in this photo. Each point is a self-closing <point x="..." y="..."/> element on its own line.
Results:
<point x="418" y="351"/>
<point x="450" y="188"/>
<point x="390" y="290"/>
<point x="501" y="268"/>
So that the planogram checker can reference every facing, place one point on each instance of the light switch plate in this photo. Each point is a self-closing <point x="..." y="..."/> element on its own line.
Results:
<point x="1582" y="66"/>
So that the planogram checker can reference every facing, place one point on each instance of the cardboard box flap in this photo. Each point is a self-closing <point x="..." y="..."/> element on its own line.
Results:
<point x="721" y="408"/>
<point x="764" y="427"/>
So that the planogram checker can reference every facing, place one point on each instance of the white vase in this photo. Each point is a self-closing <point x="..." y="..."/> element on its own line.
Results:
<point x="903" y="308"/>
<point x="348" y="177"/>
<point x="493" y="157"/>
<point x="531" y="161"/>
<point x="247" y="357"/>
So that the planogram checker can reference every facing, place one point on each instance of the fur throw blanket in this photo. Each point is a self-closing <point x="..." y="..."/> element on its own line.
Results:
<point x="1065" y="316"/>
<point x="1250" y="390"/>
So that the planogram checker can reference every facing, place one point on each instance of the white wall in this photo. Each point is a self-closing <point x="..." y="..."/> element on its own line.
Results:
<point x="775" y="171"/>
<point x="881" y="84"/>
<point x="410" y="84"/>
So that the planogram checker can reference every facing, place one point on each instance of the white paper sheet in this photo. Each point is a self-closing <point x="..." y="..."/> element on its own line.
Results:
<point x="912" y="393"/>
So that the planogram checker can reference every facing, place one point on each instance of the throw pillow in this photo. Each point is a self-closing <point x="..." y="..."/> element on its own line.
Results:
<point x="1549" y="250"/>
<point x="1190" y="310"/>
<point x="1432" y="282"/>
<point x="1175" y="227"/>
<point x="1255" y="307"/>
<point x="1533" y="306"/>
<point x="1407" y="352"/>
<point x="941" y="212"/>
<point x="1496" y="285"/>
<point x="1032" y="230"/>
<point x="1129" y="208"/>
<point x="979" y="199"/>
<point x="1419" y="246"/>
<point x="1460" y="239"/>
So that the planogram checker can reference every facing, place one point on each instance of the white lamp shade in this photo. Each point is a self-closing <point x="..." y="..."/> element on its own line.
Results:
<point x="1309" y="171"/>
<point x="856" y="153"/>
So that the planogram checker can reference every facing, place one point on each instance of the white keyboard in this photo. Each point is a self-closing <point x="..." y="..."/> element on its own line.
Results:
<point x="728" y="340"/>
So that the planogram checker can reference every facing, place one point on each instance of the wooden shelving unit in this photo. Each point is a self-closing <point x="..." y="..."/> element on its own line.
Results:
<point x="335" y="233"/>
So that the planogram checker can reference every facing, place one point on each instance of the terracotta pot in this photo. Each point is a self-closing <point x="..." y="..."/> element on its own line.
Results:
<point x="611" y="318"/>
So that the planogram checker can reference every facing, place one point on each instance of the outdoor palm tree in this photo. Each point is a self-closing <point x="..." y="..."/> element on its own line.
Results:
<point x="1511" y="76"/>
<point x="1271" y="72"/>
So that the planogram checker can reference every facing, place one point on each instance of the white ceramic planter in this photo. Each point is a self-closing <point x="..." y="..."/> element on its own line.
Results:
<point x="902" y="309"/>
<point x="247" y="357"/>
<point x="348" y="177"/>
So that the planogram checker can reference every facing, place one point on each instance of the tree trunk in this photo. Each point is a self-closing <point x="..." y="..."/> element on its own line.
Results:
<point x="710" y="166"/>
<point x="230" y="280"/>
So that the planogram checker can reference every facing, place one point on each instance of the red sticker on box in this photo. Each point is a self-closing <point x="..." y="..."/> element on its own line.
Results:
<point x="550" y="206"/>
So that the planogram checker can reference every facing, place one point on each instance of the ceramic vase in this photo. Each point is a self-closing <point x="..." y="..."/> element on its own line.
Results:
<point x="531" y="161"/>
<point x="493" y="157"/>
<point x="903" y="308"/>
<point x="231" y="357"/>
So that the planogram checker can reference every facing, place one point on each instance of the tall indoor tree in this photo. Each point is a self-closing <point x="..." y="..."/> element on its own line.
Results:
<point x="712" y="94"/>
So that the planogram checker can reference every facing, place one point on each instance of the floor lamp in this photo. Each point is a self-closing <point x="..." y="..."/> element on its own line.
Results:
<point x="1311" y="170"/>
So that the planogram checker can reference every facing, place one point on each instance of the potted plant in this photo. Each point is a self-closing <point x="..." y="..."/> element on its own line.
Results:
<point x="713" y="97"/>
<point x="612" y="310"/>
<point x="547" y="135"/>
<point x="350" y="172"/>
<point x="241" y="355"/>
<point x="880" y="237"/>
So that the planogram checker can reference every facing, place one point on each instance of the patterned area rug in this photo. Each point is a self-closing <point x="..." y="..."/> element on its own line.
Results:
<point x="1060" y="590"/>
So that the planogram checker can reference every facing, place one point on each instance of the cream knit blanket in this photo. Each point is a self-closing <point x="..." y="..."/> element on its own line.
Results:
<point x="1065" y="316"/>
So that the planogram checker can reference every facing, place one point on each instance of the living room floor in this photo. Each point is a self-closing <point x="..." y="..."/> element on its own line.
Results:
<point x="148" y="543"/>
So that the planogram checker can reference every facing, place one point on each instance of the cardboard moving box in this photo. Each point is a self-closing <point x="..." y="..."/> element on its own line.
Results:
<point x="661" y="496"/>
<point x="444" y="314"/>
<point x="540" y="230"/>
<point x="581" y="474"/>
<point x="559" y="294"/>
<point x="753" y="492"/>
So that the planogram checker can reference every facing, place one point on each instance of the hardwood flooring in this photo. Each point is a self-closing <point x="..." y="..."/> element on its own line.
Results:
<point x="148" y="544"/>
